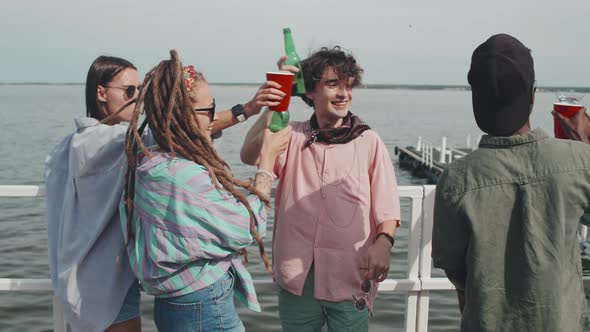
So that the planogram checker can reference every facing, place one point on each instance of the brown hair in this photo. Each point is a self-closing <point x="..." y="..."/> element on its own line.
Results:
<point x="168" y="111"/>
<point x="101" y="72"/>
<point x="314" y="66"/>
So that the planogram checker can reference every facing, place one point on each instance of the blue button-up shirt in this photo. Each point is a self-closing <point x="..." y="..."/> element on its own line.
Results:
<point x="90" y="271"/>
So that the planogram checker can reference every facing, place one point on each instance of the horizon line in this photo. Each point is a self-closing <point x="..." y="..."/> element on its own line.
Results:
<point x="364" y="86"/>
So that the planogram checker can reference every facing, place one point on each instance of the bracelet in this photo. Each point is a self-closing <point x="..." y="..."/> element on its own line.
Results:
<point x="266" y="172"/>
<point x="389" y="237"/>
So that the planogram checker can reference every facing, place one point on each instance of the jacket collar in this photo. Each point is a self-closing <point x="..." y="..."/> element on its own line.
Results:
<point x="488" y="141"/>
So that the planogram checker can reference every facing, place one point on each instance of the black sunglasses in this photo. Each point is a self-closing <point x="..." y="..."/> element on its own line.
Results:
<point x="129" y="89"/>
<point x="210" y="110"/>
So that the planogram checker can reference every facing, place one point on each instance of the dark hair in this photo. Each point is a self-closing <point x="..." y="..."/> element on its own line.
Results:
<point x="344" y="65"/>
<point x="101" y="72"/>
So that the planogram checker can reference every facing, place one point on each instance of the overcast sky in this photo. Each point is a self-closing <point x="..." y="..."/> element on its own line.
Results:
<point x="397" y="42"/>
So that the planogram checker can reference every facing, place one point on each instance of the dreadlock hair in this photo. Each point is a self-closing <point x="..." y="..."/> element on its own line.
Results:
<point x="169" y="114"/>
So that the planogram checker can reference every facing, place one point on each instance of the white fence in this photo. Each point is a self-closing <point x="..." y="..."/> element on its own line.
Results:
<point x="417" y="285"/>
<point x="446" y="154"/>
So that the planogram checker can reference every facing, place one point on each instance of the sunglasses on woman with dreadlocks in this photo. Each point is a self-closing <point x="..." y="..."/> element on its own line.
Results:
<point x="210" y="110"/>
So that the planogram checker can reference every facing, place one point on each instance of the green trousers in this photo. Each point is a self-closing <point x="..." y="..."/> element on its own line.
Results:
<point x="306" y="314"/>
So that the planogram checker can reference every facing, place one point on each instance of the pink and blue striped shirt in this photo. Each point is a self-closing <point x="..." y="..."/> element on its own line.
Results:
<point x="187" y="232"/>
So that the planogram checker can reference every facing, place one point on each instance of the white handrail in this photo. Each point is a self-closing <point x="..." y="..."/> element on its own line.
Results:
<point x="427" y="155"/>
<point x="427" y="152"/>
<point x="21" y="191"/>
<point x="417" y="285"/>
<point x="443" y="150"/>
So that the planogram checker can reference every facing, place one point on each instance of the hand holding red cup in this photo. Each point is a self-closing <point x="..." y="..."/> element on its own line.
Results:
<point x="575" y="127"/>
<point x="567" y="106"/>
<point x="285" y="79"/>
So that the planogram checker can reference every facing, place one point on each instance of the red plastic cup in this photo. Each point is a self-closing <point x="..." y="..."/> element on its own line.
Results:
<point x="285" y="79"/>
<point x="567" y="110"/>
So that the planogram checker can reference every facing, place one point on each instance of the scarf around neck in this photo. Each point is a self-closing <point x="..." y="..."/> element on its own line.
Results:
<point x="351" y="128"/>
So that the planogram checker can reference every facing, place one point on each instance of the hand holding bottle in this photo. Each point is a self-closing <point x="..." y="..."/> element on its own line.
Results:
<point x="291" y="80"/>
<point x="293" y="60"/>
<point x="284" y="67"/>
<point x="280" y="114"/>
<point x="273" y="144"/>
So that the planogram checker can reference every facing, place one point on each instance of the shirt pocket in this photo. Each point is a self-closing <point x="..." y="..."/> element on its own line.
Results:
<point x="347" y="203"/>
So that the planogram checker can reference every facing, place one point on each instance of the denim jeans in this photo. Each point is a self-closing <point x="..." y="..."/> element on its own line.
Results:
<point x="208" y="309"/>
<point x="130" y="307"/>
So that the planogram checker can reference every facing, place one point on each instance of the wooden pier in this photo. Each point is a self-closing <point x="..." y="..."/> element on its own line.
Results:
<point x="427" y="160"/>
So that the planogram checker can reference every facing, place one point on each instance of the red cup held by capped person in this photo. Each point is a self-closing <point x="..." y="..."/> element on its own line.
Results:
<point x="567" y="105"/>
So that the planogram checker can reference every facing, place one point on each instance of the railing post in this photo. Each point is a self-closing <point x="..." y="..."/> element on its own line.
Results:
<point x="59" y="322"/>
<point x="425" y="259"/>
<point x="413" y="261"/>
<point x="422" y="156"/>
<point x="443" y="150"/>
<point x="583" y="231"/>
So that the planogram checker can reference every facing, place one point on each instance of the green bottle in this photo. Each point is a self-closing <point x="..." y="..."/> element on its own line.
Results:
<point x="278" y="121"/>
<point x="293" y="59"/>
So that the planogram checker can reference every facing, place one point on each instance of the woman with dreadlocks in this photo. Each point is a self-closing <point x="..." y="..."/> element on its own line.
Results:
<point x="187" y="223"/>
<point x="85" y="176"/>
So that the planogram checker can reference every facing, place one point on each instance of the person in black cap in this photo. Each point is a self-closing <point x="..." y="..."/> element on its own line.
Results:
<point x="502" y="79"/>
<point x="506" y="215"/>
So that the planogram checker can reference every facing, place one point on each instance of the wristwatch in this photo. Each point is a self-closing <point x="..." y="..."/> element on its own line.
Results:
<point x="238" y="112"/>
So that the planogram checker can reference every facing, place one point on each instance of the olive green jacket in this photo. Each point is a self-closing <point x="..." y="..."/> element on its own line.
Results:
<point x="507" y="215"/>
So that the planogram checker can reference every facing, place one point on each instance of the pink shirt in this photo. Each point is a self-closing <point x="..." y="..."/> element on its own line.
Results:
<point x="328" y="204"/>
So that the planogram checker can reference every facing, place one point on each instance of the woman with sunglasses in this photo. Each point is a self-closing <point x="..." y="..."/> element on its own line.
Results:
<point x="186" y="218"/>
<point x="85" y="176"/>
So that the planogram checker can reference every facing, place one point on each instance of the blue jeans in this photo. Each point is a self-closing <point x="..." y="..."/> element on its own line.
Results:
<point x="209" y="309"/>
<point x="130" y="308"/>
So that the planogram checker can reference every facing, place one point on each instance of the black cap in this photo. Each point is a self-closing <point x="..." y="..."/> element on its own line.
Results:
<point x="501" y="76"/>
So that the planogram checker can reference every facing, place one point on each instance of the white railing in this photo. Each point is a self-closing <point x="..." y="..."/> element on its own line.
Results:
<point x="417" y="285"/>
<point x="454" y="154"/>
<point x="427" y="149"/>
<point x="446" y="153"/>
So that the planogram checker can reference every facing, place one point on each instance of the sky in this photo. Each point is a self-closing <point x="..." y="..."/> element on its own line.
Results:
<point x="396" y="42"/>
